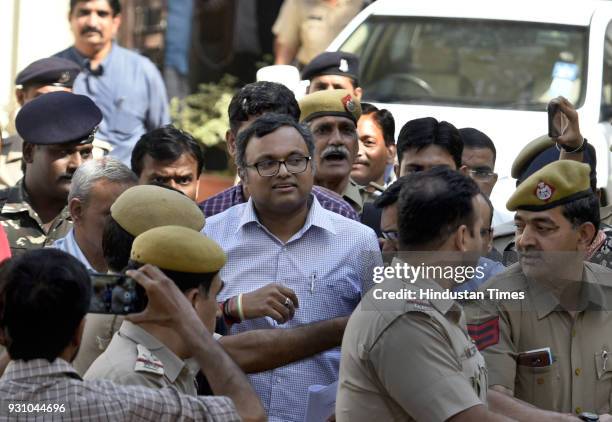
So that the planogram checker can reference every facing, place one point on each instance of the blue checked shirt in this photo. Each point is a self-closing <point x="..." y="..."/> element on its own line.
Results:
<point x="235" y="195"/>
<point x="328" y="264"/>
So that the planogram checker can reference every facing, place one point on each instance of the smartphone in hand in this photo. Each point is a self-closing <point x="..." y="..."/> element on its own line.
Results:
<point x="557" y="121"/>
<point x="116" y="294"/>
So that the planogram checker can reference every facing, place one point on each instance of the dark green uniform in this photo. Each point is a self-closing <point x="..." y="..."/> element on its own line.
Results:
<point x="23" y="226"/>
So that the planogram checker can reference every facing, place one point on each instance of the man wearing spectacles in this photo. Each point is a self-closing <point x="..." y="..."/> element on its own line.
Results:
<point x="283" y="235"/>
<point x="479" y="157"/>
<point x="387" y="203"/>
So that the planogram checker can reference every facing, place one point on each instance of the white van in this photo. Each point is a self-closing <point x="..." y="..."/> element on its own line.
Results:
<point x="492" y="65"/>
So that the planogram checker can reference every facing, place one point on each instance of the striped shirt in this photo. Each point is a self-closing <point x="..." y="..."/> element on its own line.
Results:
<point x="233" y="196"/>
<point x="328" y="263"/>
<point x="30" y="390"/>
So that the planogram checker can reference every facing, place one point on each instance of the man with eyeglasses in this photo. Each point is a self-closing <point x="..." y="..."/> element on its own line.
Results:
<point x="250" y="102"/>
<point x="283" y="235"/>
<point x="387" y="202"/>
<point x="478" y="157"/>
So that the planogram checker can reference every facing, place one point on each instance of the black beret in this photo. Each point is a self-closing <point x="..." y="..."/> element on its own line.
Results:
<point x="50" y="71"/>
<point x="332" y="63"/>
<point x="550" y="155"/>
<point x="58" y="118"/>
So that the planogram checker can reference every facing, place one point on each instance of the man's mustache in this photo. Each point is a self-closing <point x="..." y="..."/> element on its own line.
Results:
<point x="335" y="150"/>
<point x="89" y="29"/>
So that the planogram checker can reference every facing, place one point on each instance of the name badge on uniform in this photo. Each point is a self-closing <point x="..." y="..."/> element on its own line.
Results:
<point x="471" y="351"/>
<point x="147" y="361"/>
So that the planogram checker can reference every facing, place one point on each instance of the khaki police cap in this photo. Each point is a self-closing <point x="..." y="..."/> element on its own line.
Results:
<point x="144" y="207"/>
<point x="528" y="153"/>
<point x="331" y="102"/>
<point x="177" y="248"/>
<point x="554" y="184"/>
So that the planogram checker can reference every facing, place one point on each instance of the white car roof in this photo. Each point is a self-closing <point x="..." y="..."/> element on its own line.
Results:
<point x="567" y="12"/>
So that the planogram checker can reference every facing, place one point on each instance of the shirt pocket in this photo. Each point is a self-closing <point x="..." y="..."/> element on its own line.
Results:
<point x="342" y="294"/>
<point x="603" y="384"/>
<point x="314" y="34"/>
<point x="538" y="385"/>
<point x="124" y="121"/>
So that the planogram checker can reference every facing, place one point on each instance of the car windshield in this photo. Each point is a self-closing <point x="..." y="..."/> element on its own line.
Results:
<point x="469" y="62"/>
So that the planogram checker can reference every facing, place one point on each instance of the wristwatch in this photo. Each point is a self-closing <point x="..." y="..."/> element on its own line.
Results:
<point x="588" y="416"/>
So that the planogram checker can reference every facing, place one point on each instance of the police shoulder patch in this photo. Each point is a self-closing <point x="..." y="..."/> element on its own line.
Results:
<point x="147" y="361"/>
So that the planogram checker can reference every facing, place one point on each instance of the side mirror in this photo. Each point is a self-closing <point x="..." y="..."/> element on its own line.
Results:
<point x="286" y="75"/>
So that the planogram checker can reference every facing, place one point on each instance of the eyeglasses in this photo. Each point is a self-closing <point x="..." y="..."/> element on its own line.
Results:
<point x="390" y="235"/>
<point x="270" y="168"/>
<point x="482" y="174"/>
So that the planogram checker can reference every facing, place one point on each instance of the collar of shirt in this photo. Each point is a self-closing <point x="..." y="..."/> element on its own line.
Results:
<point x="238" y="194"/>
<point x="85" y="62"/>
<point x="69" y="245"/>
<point x="441" y="305"/>
<point x="591" y="296"/>
<point x="488" y="267"/>
<point x="173" y="365"/>
<point x="19" y="369"/>
<point x="352" y="195"/>
<point x="315" y="217"/>
<point x="18" y="201"/>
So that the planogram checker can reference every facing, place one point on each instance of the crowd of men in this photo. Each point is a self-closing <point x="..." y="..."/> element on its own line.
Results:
<point x="122" y="298"/>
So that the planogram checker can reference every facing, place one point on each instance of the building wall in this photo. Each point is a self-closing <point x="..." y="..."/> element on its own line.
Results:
<point x="29" y="30"/>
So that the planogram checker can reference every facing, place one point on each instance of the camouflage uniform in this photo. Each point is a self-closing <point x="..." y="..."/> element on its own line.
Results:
<point x="23" y="226"/>
<point x="10" y="161"/>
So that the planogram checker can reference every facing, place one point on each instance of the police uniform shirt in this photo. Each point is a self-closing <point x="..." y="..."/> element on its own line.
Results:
<point x="353" y="195"/>
<point x="135" y="357"/>
<point x="371" y="192"/>
<point x="97" y="334"/>
<point x="23" y="226"/>
<point x="406" y="360"/>
<point x="311" y="25"/>
<point x="580" y="376"/>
